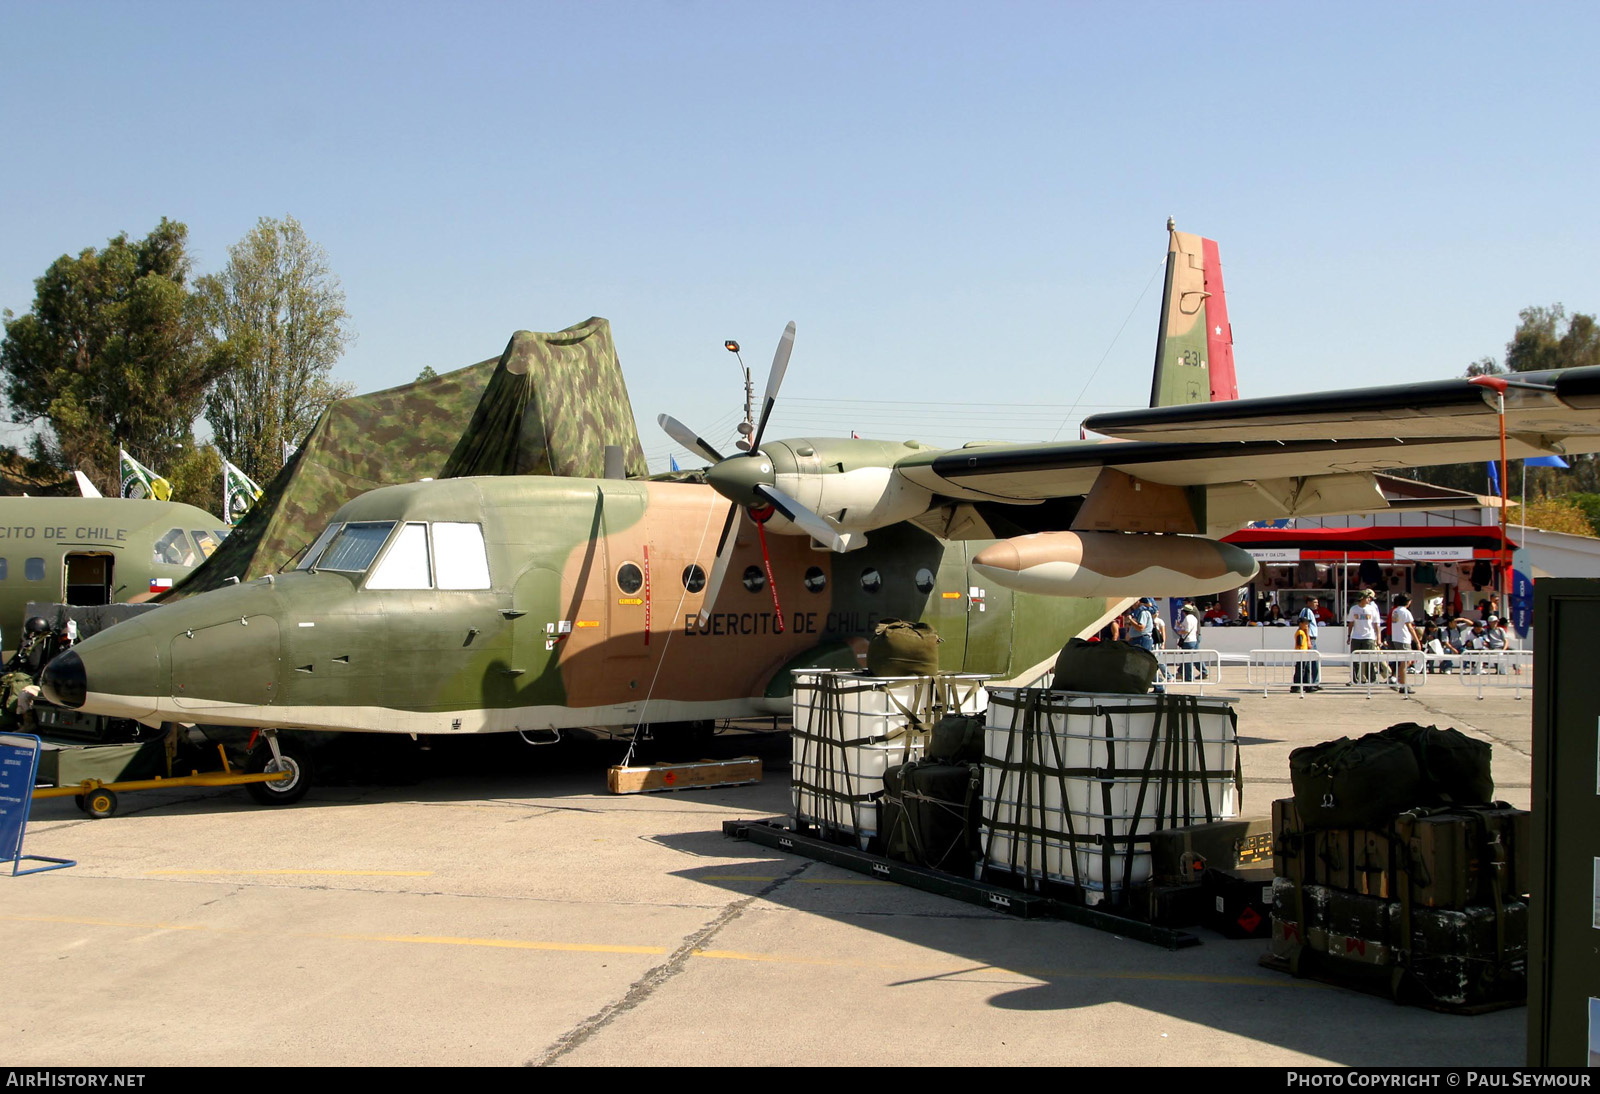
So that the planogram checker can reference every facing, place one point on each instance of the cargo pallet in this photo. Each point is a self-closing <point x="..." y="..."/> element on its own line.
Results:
<point x="777" y="835"/>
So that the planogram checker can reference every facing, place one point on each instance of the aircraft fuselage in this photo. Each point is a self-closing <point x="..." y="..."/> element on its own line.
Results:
<point x="585" y="614"/>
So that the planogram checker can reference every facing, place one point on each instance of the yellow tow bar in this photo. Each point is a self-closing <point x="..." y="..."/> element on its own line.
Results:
<point x="99" y="799"/>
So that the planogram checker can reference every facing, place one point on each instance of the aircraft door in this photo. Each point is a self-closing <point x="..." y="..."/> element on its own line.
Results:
<point x="947" y="603"/>
<point x="88" y="579"/>
<point x="543" y="630"/>
<point x="989" y="623"/>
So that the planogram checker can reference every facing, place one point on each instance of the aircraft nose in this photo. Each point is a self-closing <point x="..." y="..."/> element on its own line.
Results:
<point x="736" y="477"/>
<point x="63" y="681"/>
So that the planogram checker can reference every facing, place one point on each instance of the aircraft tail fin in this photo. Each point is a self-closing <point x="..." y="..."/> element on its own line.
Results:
<point x="1194" y="349"/>
<point x="85" y="487"/>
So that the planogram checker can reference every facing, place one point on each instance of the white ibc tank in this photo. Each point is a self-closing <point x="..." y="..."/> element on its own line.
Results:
<point x="849" y="728"/>
<point x="1074" y="783"/>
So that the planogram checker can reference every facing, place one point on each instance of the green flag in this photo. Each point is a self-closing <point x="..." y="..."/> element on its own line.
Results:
<point x="239" y="492"/>
<point x="138" y="481"/>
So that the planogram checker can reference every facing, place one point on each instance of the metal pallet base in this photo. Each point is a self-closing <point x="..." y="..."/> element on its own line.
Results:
<point x="984" y="894"/>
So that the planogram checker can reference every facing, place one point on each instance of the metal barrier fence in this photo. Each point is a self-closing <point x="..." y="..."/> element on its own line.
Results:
<point x="1201" y="668"/>
<point x="1293" y="669"/>
<point x="1486" y="669"/>
<point x="1371" y="669"/>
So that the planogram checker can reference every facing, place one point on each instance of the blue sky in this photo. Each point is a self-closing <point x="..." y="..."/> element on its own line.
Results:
<point x="960" y="206"/>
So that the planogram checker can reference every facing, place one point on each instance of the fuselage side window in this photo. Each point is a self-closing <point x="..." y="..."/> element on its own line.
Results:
<point x="205" y="541"/>
<point x="33" y="569"/>
<point x="173" y="549"/>
<point x="314" y="552"/>
<point x="459" y="557"/>
<point x="352" y="550"/>
<point x="405" y="566"/>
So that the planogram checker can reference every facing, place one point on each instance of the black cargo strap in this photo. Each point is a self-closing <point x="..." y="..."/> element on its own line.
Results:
<point x="1174" y="758"/>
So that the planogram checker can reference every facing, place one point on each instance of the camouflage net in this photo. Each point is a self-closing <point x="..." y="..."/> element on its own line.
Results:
<point x="550" y="404"/>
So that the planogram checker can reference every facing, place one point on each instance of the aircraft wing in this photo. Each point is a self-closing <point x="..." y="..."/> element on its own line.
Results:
<point x="1294" y="455"/>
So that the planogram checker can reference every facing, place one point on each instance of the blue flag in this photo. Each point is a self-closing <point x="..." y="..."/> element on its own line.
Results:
<point x="674" y="461"/>
<point x="1494" y="479"/>
<point x="1546" y="461"/>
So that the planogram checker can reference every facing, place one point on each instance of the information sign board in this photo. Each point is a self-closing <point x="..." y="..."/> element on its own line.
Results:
<point x="19" y="766"/>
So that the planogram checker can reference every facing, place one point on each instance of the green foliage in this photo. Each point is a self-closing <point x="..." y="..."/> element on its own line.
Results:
<point x="427" y="373"/>
<point x="110" y="355"/>
<point x="276" y="324"/>
<point x="1590" y="505"/>
<point x="196" y="478"/>
<point x="1557" y="515"/>
<point x="1541" y="342"/>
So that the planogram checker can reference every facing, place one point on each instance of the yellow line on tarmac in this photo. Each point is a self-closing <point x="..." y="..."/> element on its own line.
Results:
<point x="798" y="881"/>
<point x="275" y="873"/>
<point x="497" y="943"/>
<point x="714" y="955"/>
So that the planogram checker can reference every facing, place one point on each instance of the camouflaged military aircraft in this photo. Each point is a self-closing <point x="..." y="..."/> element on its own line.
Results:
<point x="94" y="550"/>
<point x="536" y="604"/>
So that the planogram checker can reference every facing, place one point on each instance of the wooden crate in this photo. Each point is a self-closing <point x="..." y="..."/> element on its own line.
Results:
<point x="699" y="775"/>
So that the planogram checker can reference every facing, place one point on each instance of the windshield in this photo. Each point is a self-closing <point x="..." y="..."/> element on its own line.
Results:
<point x="353" y="547"/>
<point x="309" y="557"/>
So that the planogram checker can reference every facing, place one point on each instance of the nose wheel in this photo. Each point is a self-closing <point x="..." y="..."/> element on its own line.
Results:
<point x="275" y="756"/>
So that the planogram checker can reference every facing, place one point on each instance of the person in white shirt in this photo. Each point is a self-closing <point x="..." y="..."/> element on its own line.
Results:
<point x="1402" y="636"/>
<point x="1361" y="630"/>
<point x="1189" y="636"/>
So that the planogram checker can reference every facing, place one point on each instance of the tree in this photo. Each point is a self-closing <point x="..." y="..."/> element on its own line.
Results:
<point x="276" y="321"/>
<point x="110" y="356"/>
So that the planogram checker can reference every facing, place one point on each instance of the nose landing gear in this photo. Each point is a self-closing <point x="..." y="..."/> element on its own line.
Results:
<point x="272" y="756"/>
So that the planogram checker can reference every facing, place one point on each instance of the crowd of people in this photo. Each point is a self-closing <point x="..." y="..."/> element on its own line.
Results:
<point x="1365" y="629"/>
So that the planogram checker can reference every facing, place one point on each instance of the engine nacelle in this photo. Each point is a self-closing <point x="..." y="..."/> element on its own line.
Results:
<point x="1115" y="564"/>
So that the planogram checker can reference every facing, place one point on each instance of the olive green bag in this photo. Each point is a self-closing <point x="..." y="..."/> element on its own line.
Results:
<point x="903" y="648"/>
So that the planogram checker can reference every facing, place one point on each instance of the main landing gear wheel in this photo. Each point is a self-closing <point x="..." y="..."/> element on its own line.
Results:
<point x="99" y="804"/>
<point x="292" y="758"/>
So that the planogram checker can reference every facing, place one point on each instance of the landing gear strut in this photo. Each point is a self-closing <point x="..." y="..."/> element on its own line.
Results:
<point x="272" y="756"/>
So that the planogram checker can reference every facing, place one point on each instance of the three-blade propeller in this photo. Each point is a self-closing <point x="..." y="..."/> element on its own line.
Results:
<point x="748" y="485"/>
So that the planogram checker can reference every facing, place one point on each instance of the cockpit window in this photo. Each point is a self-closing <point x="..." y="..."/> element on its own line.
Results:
<point x="206" y="541"/>
<point x="459" y="558"/>
<point x="173" y="549"/>
<point x="406" y="564"/>
<point x="314" y="552"/>
<point x="354" y="547"/>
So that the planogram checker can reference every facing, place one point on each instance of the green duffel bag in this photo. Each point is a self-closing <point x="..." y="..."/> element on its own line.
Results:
<point x="1363" y="783"/>
<point x="930" y="814"/>
<point x="894" y="826"/>
<point x="956" y="739"/>
<point x="903" y="648"/>
<point x="1454" y="767"/>
<point x="1118" y="668"/>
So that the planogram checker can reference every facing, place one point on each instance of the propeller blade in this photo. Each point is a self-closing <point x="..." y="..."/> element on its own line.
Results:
<point x="687" y="437"/>
<point x="803" y="518"/>
<point x="780" y="364"/>
<point x="719" y="568"/>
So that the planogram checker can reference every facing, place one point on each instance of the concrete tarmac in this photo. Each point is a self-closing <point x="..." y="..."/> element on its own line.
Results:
<point x="505" y="909"/>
